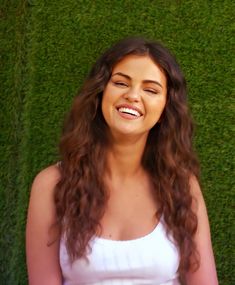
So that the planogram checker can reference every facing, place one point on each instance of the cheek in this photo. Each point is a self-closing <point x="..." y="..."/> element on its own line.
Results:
<point x="106" y="106"/>
<point x="108" y="99"/>
<point x="104" y="99"/>
<point x="163" y="106"/>
<point x="157" y="110"/>
<point x="103" y="107"/>
<point x="159" y="105"/>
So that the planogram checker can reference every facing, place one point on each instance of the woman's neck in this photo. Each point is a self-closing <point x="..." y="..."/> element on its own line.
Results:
<point x="124" y="159"/>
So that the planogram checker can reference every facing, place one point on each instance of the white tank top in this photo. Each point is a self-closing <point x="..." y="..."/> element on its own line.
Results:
<point x="149" y="260"/>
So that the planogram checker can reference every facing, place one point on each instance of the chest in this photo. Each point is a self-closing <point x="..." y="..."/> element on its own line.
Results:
<point x="152" y="259"/>
<point x="130" y="212"/>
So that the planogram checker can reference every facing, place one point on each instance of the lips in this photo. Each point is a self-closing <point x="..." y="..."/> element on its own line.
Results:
<point x="130" y="110"/>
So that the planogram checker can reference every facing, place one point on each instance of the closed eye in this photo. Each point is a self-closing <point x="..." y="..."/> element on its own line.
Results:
<point x="152" y="91"/>
<point x="120" y="83"/>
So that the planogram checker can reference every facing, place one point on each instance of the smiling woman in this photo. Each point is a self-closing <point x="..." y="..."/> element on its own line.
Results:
<point x="123" y="206"/>
<point x="137" y="93"/>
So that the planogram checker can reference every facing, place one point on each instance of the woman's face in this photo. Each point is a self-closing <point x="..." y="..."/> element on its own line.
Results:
<point x="135" y="96"/>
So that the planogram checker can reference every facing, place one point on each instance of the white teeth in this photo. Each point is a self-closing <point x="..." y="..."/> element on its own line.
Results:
<point x="129" y="111"/>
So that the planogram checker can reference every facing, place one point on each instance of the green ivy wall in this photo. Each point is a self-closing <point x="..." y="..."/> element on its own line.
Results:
<point x="47" y="50"/>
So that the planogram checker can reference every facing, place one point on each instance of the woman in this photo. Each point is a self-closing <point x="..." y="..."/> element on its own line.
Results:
<point x="124" y="205"/>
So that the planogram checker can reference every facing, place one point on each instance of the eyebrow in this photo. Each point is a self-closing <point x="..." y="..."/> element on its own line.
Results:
<point x="129" y="78"/>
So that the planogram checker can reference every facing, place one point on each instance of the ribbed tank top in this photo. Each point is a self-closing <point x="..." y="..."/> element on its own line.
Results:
<point x="150" y="260"/>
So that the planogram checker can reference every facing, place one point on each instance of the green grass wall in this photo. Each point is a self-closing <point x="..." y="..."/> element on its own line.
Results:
<point x="47" y="50"/>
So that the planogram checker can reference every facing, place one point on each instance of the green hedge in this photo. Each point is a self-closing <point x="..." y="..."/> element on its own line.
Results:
<point x="48" y="48"/>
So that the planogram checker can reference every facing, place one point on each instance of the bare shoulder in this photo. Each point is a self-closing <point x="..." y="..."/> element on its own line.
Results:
<point x="41" y="204"/>
<point x="196" y="192"/>
<point x="195" y="186"/>
<point x="206" y="274"/>
<point x="198" y="205"/>
<point x="46" y="179"/>
<point x="42" y="259"/>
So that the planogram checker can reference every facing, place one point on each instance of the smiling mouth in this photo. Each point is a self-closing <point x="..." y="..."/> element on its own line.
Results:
<point x="129" y="111"/>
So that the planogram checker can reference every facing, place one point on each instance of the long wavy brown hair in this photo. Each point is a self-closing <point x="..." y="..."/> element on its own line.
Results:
<point x="81" y="194"/>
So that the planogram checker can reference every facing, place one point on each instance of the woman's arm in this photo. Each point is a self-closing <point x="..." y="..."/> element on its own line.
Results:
<point x="206" y="273"/>
<point x="43" y="260"/>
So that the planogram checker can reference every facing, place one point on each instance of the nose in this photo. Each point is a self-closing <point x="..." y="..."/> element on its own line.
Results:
<point x="132" y="95"/>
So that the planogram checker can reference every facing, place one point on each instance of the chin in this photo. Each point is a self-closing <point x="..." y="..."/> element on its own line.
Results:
<point x="128" y="133"/>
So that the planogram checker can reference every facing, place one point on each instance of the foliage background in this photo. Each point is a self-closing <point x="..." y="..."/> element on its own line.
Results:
<point x="47" y="50"/>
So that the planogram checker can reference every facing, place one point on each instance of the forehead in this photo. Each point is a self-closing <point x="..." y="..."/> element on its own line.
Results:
<point x="140" y="66"/>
